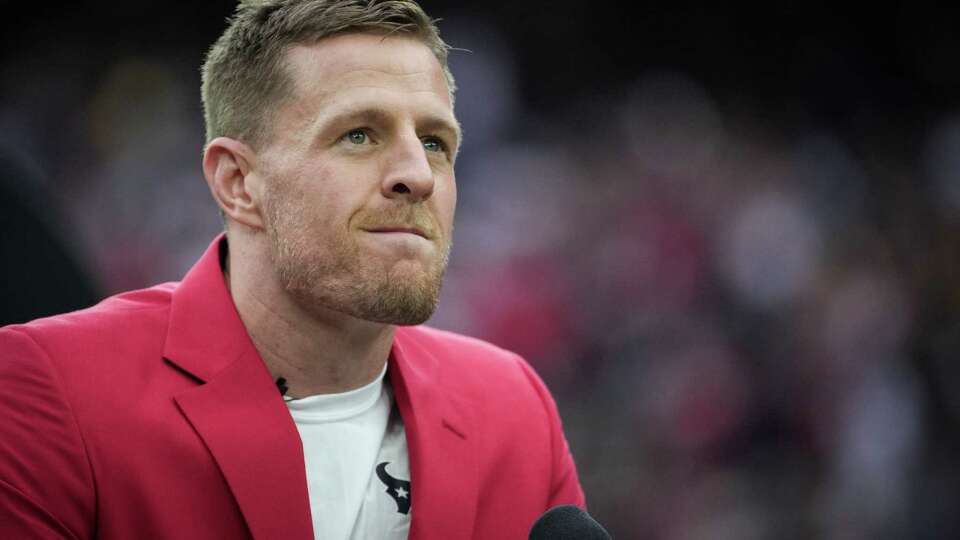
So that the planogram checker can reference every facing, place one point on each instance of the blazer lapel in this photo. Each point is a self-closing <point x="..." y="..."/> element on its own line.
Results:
<point x="237" y="411"/>
<point x="443" y="461"/>
<point x="245" y="425"/>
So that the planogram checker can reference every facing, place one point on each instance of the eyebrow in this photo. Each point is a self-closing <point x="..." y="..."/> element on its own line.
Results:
<point x="382" y="115"/>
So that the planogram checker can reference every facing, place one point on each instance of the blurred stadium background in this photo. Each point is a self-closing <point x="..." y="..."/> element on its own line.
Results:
<point x="728" y="240"/>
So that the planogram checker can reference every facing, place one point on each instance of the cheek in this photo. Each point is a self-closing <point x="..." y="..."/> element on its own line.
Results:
<point x="297" y="212"/>
<point x="447" y="204"/>
<point x="315" y="193"/>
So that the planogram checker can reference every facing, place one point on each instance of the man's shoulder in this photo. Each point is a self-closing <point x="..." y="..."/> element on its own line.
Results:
<point x="125" y="317"/>
<point x="495" y="387"/>
<point x="468" y="362"/>
<point x="454" y="346"/>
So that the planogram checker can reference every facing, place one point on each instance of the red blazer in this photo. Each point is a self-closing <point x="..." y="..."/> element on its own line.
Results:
<point x="151" y="415"/>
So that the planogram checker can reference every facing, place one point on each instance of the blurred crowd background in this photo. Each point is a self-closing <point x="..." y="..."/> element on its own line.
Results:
<point x="729" y="241"/>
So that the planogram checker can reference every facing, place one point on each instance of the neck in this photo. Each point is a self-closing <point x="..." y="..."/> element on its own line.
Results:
<point x="316" y="352"/>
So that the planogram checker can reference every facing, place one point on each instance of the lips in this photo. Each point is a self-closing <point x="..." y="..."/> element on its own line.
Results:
<point x="399" y="229"/>
<point x="408" y="220"/>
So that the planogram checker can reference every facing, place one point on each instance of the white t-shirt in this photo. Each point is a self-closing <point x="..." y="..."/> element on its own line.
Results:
<point x="358" y="472"/>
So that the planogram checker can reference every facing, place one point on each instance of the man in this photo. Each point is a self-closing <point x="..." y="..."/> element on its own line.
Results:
<point x="281" y="390"/>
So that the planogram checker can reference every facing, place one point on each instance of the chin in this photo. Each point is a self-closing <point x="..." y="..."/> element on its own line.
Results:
<point x="401" y="292"/>
<point x="402" y="300"/>
<point x="402" y="306"/>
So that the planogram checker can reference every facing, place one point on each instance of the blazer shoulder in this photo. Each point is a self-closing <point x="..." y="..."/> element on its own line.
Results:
<point x="124" y="308"/>
<point x="456" y="348"/>
<point x="474" y="366"/>
<point x="118" y="322"/>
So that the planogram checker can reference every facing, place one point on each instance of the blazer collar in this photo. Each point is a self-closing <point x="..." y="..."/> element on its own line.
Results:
<point x="205" y="334"/>
<point x="237" y="412"/>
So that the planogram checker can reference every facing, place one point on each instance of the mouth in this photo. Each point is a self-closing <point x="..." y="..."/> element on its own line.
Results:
<point x="399" y="230"/>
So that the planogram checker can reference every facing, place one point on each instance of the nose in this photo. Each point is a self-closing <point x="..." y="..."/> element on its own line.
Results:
<point x="408" y="171"/>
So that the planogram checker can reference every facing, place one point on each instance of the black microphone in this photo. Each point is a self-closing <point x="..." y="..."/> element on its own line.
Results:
<point x="282" y="386"/>
<point x="567" y="522"/>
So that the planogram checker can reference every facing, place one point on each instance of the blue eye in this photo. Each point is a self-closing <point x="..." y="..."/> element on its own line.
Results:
<point x="357" y="136"/>
<point x="433" y="144"/>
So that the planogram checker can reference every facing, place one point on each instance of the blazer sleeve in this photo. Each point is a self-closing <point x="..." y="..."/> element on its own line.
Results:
<point x="565" y="484"/>
<point x="46" y="485"/>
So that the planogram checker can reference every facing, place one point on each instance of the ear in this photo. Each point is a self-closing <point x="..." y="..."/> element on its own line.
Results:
<point x="227" y="166"/>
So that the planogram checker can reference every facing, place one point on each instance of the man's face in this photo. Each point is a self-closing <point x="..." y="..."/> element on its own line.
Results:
<point x="359" y="190"/>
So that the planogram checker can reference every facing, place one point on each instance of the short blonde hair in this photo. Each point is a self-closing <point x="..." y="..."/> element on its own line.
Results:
<point x="244" y="77"/>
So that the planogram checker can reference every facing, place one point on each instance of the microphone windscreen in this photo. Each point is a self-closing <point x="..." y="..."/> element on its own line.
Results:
<point x="567" y="522"/>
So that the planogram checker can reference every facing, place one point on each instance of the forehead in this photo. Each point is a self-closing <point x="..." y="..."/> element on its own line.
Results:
<point x="397" y="65"/>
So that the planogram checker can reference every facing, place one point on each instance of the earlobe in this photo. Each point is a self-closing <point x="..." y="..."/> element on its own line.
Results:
<point x="227" y="169"/>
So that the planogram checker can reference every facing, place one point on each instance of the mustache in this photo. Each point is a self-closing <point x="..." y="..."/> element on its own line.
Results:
<point x="403" y="217"/>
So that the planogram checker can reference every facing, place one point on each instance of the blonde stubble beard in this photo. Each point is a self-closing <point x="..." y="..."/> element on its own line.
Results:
<point x="330" y="273"/>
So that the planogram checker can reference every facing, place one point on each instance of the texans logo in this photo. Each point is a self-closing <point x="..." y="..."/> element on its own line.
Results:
<point x="396" y="488"/>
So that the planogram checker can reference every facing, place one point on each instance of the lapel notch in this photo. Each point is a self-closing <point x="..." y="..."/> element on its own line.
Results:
<point x="236" y="410"/>
<point x="253" y="440"/>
